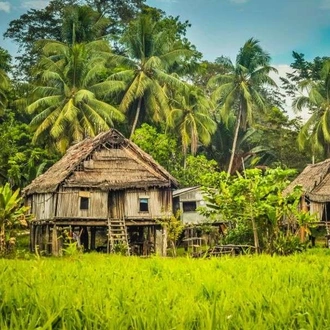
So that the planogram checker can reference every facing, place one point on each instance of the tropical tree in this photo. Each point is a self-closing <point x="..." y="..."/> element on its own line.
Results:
<point x="68" y="99"/>
<point x="145" y="68"/>
<point x="47" y="23"/>
<point x="316" y="97"/>
<point x="190" y="117"/>
<point x="302" y="70"/>
<point x="5" y="60"/>
<point x="12" y="213"/>
<point x="164" y="148"/>
<point x="254" y="200"/>
<point x="83" y="24"/>
<point x="239" y="90"/>
<point x="4" y="86"/>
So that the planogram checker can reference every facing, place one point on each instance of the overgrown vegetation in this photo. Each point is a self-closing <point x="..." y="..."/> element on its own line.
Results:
<point x="12" y="217"/>
<point x="255" y="204"/>
<point x="85" y="66"/>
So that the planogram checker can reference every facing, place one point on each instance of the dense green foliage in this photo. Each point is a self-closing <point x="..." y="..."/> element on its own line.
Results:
<point x="85" y="66"/>
<point x="239" y="89"/>
<point x="253" y="201"/>
<point x="114" y="292"/>
<point x="12" y="215"/>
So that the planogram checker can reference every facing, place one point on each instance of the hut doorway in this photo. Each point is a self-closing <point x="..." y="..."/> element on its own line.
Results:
<point x="116" y="204"/>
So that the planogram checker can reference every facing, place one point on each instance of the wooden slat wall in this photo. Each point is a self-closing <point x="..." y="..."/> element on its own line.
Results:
<point x="69" y="204"/>
<point x="43" y="206"/>
<point x="160" y="202"/>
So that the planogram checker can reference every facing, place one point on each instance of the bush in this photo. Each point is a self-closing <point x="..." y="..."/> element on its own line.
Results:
<point x="287" y="244"/>
<point x="240" y="234"/>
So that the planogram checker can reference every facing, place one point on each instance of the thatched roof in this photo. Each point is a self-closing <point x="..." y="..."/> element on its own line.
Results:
<point x="315" y="181"/>
<point x="109" y="161"/>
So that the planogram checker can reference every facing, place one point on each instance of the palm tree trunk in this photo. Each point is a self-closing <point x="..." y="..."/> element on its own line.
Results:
<point x="136" y="117"/>
<point x="233" y="149"/>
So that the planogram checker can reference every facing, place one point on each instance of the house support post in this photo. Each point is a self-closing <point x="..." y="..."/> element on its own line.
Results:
<point x="93" y="236"/>
<point x="164" y="242"/>
<point x="55" y="250"/>
<point x="36" y="238"/>
<point x="47" y="239"/>
<point x="84" y="238"/>
<point x="302" y="230"/>
<point x="32" y="242"/>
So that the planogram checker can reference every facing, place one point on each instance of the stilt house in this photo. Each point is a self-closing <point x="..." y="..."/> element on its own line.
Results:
<point x="315" y="182"/>
<point x="187" y="200"/>
<point x="106" y="193"/>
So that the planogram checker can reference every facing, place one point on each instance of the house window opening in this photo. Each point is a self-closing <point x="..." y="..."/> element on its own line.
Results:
<point x="189" y="206"/>
<point x="84" y="203"/>
<point x="144" y="206"/>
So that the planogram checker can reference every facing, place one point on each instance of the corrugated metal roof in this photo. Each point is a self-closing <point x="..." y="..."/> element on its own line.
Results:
<point x="179" y="192"/>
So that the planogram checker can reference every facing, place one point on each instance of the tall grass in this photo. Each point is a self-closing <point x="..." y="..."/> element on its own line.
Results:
<point x="113" y="292"/>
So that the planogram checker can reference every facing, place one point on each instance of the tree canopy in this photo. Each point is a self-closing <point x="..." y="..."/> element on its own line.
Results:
<point x="87" y="65"/>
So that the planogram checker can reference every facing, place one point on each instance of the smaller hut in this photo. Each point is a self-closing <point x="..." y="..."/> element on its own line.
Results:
<point x="187" y="200"/>
<point x="105" y="193"/>
<point x="315" y="182"/>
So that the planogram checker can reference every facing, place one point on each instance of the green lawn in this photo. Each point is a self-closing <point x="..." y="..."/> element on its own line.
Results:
<point x="95" y="291"/>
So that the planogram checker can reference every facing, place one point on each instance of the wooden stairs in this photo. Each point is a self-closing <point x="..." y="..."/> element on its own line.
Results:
<point x="118" y="240"/>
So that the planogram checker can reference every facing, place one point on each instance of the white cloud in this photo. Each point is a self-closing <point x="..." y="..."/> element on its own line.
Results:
<point x="325" y="4"/>
<point x="35" y="4"/>
<point x="5" y="6"/>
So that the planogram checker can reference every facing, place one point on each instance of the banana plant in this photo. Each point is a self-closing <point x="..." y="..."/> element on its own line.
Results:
<point x="12" y="213"/>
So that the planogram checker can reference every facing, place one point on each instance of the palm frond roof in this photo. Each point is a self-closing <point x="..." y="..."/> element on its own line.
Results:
<point x="315" y="182"/>
<point x="108" y="161"/>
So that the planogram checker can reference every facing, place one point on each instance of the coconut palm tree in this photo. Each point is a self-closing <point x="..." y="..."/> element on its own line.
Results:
<point x="69" y="95"/>
<point x="239" y="90"/>
<point x="316" y="97"/>
<point x="190" y="117"/>
<point x="145" y="68"/>
<point x="83" y="24"/>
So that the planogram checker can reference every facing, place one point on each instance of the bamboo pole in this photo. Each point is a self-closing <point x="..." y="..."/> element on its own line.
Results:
<point x="54" y="241"/>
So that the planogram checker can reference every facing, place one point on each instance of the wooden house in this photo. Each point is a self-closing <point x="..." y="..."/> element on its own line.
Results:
<point x="106" y="193"/>
<point x="187" y="200"/>
<point x="315" y="183"/>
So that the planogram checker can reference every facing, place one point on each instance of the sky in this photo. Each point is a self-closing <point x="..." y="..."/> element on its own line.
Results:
<point x="220" y="27"/>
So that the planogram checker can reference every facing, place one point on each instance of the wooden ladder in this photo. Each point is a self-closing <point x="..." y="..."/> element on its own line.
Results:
<point x="117" y="232"/>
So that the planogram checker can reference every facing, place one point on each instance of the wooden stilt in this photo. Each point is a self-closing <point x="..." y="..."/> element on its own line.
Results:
<point x="47" y="248"/>
<point x="84" y="238"/>
<point x="164" y="242"/>
<point x="54" y="241"/>
<point x="93" y="237"/>
<point x="42" y="239"/>
<point x="32" y="243"/>
<point x="36" y="239"/>
<point x="154" y="238"/>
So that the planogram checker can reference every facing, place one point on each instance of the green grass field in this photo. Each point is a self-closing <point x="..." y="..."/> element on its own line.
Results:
<point x="96" y="291"/>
